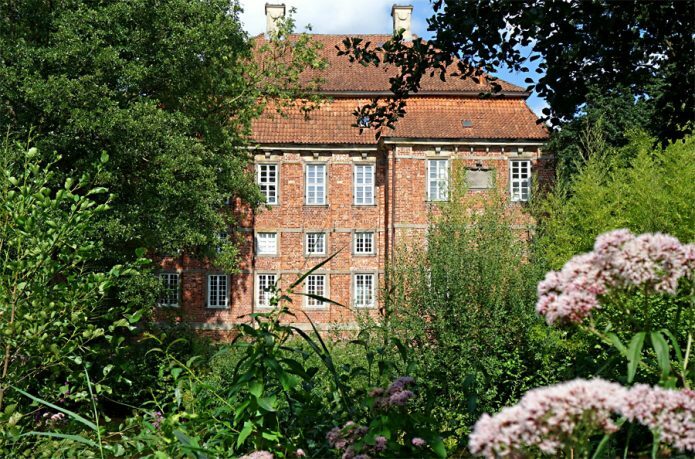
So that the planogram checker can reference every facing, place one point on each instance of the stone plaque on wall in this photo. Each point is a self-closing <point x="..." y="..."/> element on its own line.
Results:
<point x="479" y="179"/>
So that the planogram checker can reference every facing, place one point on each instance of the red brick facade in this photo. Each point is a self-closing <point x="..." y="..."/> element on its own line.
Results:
<point x="483" y="136"/>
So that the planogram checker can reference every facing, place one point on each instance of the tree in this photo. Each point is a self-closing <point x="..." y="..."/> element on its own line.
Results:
<point x="647" y="49"/>
<point x="615" y="114"/>
<point x="168" y="89"/>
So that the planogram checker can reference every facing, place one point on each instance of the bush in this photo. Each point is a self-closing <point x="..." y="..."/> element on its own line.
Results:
<point x="465" y="303"/>
<point x="54" y="326"/>
<point x="654" y="192"/>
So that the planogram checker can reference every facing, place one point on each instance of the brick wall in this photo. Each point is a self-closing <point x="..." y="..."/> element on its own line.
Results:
<point x="400" y="212"/>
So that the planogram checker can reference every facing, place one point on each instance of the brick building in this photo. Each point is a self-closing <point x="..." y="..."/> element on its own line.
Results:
<point x="331" y="188"/>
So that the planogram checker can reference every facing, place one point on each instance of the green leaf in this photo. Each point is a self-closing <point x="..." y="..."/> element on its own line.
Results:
<point x="104" y="157"/>
<point x="662" y="352"/>
<point x="438" y="447"/>
<point x="676" y="347"/>
<point x="267" y="403"/>
<point x="288" y="381"/>
<point x="256" y="389"/>
<point x="76" y="438"/>
<point x="244" y="434"/>
<point x="617" y="343"/>
<point x="634" y="355"/>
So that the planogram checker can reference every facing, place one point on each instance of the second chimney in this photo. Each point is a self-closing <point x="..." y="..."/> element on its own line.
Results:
<point x="273" y="13"/>
<point x="402" y="18"/>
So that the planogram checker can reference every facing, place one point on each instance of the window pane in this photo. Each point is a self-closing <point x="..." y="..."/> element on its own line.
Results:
<point x="438" y="179"/>
<point x="364" y="184"/>
<point x="217" y="291"/>
<point x="364" y="242"/>
<point x="267" y="181"/>
<point x="519" y="182"/>
<point x="265" y="283"/>
<point x="315" y="285"/>
<point x="315" y="183"/>
<point x="316" y="243"/>
<point x="170" y="296"/>
<point x="364" y="290"/>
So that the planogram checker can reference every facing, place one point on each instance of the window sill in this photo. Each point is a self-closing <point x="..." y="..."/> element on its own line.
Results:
<point x="364" y="205"/>
<point x="266" y="255"/>
<point x="217" y="308"/>
<point x="315" y="308"/>
<point x="364" y="254"/>
<point x="314" y="255"/>
<point x="364" y="307"/>
<point x="168" y="306"/>
<point x="315" y="206"/>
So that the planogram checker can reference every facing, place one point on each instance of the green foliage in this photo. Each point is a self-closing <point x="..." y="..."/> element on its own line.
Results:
<point x="615" y="113"/>
<point x="168" y="89"/>
<point x="653" y="192"/>
<point x="53" y="322"/>
<point x="642" y="50"/>
<point x="465" y="302"/>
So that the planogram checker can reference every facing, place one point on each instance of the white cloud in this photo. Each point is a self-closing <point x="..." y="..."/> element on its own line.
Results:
<point x="334" y="16"/>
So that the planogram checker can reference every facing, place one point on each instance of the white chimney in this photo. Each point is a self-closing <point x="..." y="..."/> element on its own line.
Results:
<point x="273" y="13"/>
<point x="402" y="18"/>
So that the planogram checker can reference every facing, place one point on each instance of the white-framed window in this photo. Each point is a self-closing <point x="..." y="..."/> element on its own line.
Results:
<point x="520" y="180"/>
<point x="364" y="290"/>
<point x="364" y="184"/>
<point x="364" y="243"/>
<point x="315" y="243"/>
<point x="264" y="286"/>
<point x="315" y="184"/>
<point x="437" y="179"/>
<point x="267" y="176"/>
<point x="315" y="284"/>
<point x="170" y="295"/>
<point x="218" y="291"/>
<point x="267" y="243"/>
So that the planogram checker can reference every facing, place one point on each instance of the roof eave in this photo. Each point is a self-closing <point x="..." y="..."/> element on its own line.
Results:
<point x="371" y="94"/>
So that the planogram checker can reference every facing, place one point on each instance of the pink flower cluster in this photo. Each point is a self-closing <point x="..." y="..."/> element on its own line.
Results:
<point x="546" y="418"/>
<point x="397" y="394"/>
<point x="619" y="260"/>
<point x="258" y="455"/>
<point x="344" y="438"/>
<point x="669" y="412"/>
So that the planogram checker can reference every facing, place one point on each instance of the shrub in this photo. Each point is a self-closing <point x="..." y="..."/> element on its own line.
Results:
<point x="465" y="302"/>
<point x="53" y="322"/>
<point x="652" y="193"/>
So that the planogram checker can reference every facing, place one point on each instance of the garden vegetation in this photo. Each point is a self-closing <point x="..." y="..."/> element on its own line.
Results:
<point x="569" y="336"/>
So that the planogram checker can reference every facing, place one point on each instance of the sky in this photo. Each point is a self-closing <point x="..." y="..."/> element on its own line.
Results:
<point x="359" y="16"/>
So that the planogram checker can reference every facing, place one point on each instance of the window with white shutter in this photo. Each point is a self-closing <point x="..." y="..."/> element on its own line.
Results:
<point x="266" y="243"/>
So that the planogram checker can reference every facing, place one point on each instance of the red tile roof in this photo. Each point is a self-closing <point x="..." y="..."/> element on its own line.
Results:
<point x="343" y="76"/>
<point x="426" y="118"/>
<point x="436" y="112"/>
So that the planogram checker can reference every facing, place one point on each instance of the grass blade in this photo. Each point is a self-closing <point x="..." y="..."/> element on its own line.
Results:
<point x="72" y="414"/>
